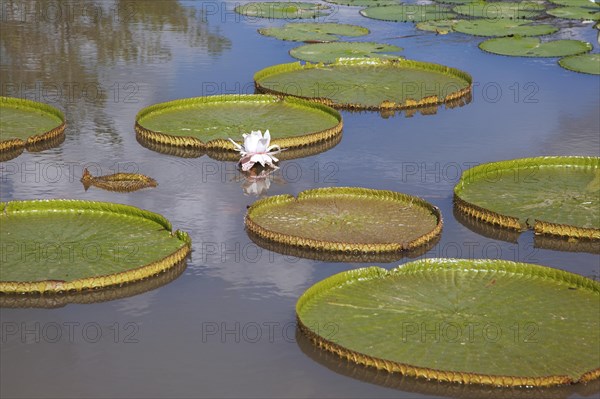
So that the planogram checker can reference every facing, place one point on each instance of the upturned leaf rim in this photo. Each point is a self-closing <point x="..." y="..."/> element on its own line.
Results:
<point x="431" y="265"/>
<point x="13" y="147"/>
<point x="99" y="281"/>
<point x="332" y="247"/>
<point x="512" y="222"/>
<point x="221" y="148"/>
<point x="385" y="105"/>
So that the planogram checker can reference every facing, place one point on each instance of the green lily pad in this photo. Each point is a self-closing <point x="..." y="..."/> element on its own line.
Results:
<point x="343" y="219"/>
<point x="364" y="3"/>
<point x="575" y="3"/>
<point x="494" y="10"/>
<point x="283" y="10"/>
<point x="420" y="387"/>
<point x="409" y="13"/>
<point x="63" y="245"/>
<point x="441" y="27"/>
<point x="206" y="123"/>
<point x="583" y="13"/>
<point x="329" y="52"/>
<point x="28" y="124"/>
<point x="454" y="320"/>
<point x="503" y="27"/>
<point x="184" y="151"/>
<point x="554" y="195"/>
<point x="533" y="47"/>
<point x="368" y="83"/>
<point x="457" y="1"/>
<point x="22" y="119"/>
<point x="314" y="32"/>
<point x="18" y="300"/>
<point x="584" y="63"/>
<point x="341" y="256"/>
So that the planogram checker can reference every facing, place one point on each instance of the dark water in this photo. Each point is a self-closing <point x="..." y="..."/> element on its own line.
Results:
<point x="225" y="327"/>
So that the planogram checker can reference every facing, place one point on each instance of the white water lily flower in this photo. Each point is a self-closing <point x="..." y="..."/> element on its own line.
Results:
<point x="257" y="149"/>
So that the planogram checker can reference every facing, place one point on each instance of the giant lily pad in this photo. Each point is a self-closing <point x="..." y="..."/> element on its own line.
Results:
<point x="584" y="63"/>
<point x="28" y="124"/>
<point x="18" y="300"/>
<point x="364" y="3"/>
<point x="441" y="27"/>
<point x="283" y="10"/>
<point x="583" y="13"/>
<point x="457" y="1"/>
<point x="554" y="195"/>
<point x="205" y="123"/>
<point x="575" y="3"/>
<point x="196" y="152"/>
<point x="368" y="83"/>
<point x="329" y="52"/>
<point x="493" y="10"/>
<point x="351" y="220"/>
<point x="533" y="47"/>
<point x="64" y="245"/>
<point x="427" y="388"/>
<point x="503" y="27"/>
<point x="408" y="13"/>
<point x="454" y="320"/>
<point x="314" y="31"/>
<point x="354" y="256"/>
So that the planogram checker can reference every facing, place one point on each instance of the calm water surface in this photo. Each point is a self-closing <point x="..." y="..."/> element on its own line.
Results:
<point x="225" y="327"/>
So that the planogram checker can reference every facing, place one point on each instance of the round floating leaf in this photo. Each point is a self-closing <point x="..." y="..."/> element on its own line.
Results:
<point x="283" y="10"/>
<point x="427" y="388"/>
<point x="556" y="195"/>
<point x="457" y="1"/>
<point x="441" y="27"/>
<point x="22" y="119"/>
<point x="340" y="256"/>
<point x="575" y="3"/>
<point x="533" y="47"/>
<point x="368" y="83"/>
<point x="494" y="10"/>
<point x="350" y="220"/>
<point x="329" y="52"/>
<point x="314" y="32"/>
<point x="583" y="13"/>
<point x="18" y="300"/>
<point x="196" y="152"/>
<point x="28" y="124"/>
<point x="206" y="123"/>
<point x="454" y="320"/>
<point x="584" y="63"/>
<point x="409" y="13"/>
<point x="503" y="27"/>
<point x="64" y="245"/>
<point x="120" y="182"/>
<point x="364" y="3"/>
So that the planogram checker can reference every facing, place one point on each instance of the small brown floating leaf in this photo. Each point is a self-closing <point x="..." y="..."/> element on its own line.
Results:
<point x="121" y="182"/>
